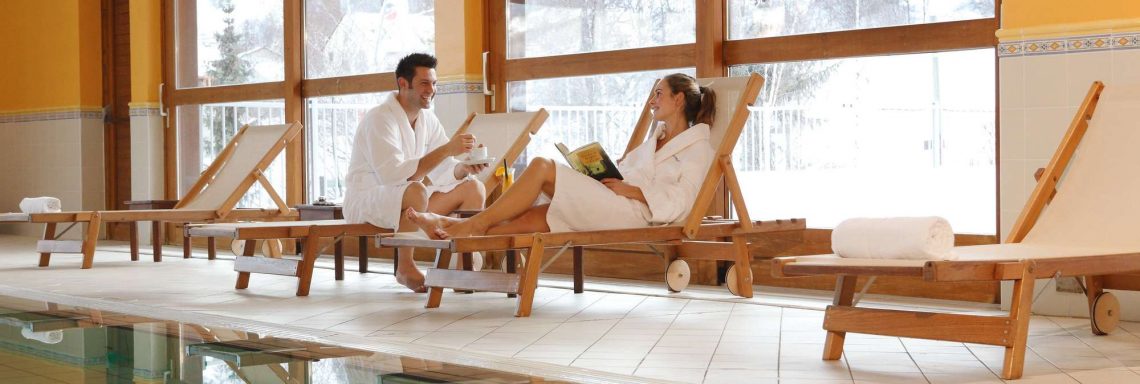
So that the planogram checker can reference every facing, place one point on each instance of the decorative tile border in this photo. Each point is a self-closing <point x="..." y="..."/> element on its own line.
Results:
<point x="144" y="111"/>
<point x="67" y="114"/>
<point x="459" y="87"/>
<point x="1074" y="44"/>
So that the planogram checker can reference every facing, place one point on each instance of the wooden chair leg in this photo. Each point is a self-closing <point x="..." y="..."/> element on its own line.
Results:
<point x="363" y="259"/>
<point x="243" y="277"/>
<point x="579" y="278"/>
<point x="1019" y="312"/>
<point x="211" y="248"/>
<point x="156" y="239"/>
<point x="743" y="267"/>
<point x="185" y="242"/>
<point x="134" y="239"/>
<point x="512" y="266"/>
<point x="49" y="234"/>
<point x="90" y="239"/>
<point x="844" y="295"/>
<point x="435" y="294"/>
<point x="338" y="258"/>
<point x="308" y="261"/>
<point x="528" y="280"/>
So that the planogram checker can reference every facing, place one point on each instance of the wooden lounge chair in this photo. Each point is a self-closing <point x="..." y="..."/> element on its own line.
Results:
<point x="505" y="135"/>
<point x="711" y="237"/>
<point x="212" y="198"/>
<point x="1081" y="225"/>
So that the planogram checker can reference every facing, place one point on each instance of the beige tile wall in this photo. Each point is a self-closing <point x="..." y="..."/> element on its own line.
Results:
<point x="61" y="158"/>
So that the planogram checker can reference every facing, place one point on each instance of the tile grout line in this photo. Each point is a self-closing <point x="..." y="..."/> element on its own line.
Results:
<point x="607" y="330"/>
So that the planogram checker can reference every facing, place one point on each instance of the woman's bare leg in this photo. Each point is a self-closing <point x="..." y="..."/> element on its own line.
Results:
<point x="536" y="179"/>
<point x="533" y="220"/>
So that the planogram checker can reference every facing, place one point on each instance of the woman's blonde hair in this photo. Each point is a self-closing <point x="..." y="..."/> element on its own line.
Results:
<point x="700" y="102"/>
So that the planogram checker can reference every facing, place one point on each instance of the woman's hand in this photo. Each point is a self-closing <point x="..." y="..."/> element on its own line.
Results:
<point x="622" y="188"/>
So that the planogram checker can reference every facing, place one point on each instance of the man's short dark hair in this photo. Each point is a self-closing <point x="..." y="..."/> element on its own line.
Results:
<point x="406" y="69"/>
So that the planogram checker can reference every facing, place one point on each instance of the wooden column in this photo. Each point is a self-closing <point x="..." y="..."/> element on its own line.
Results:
<point x="294" y="104"/>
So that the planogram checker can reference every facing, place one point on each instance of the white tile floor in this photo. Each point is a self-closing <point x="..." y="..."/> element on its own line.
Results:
<point x="703" y="335"/>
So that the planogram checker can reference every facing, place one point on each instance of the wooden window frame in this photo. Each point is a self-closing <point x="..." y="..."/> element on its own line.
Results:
<point x="293" y="89"/>
<point x="712" y="53"/>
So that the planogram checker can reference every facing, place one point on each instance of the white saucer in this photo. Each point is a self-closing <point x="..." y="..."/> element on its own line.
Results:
<point x="488" y="160"/>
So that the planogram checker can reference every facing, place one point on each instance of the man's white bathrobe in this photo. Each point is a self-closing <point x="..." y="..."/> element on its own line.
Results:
<point x="385" y="153"/>
<point x="669" y="179"/>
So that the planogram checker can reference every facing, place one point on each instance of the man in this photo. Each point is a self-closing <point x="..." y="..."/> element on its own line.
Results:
<point x="402" y="158"/>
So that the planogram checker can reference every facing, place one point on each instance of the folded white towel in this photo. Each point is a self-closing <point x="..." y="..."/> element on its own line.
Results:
<point x="913" y="238"/>
<point x="43" y="204"/>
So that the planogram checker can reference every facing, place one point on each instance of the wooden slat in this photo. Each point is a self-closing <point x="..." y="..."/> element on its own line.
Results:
<point x="227" y="93"/>
<point x="787" y="267"/>
<point x="988" y="330"/>
<point x="349" y="85"/>
<point x="616" y="236"/>
<point x="191" y="214"/>
<point x="706" y="250"/>
<point x="1129" y="282"/>
<point x="284" y="267"/>
<point x="472" y="280"/>
<point x="918" y="38"/>
<point x="1047" y="184"/>
<point x="600" y="63"/>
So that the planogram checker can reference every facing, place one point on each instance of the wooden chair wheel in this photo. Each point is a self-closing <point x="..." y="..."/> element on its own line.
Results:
<point x="677" y="276"/>
<point x="1105" y="314"/>
<point x="730" y="279"/>
<point x="237" y="247"/>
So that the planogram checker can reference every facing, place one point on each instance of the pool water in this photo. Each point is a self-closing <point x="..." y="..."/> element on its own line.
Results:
<point x="43" y="342"/>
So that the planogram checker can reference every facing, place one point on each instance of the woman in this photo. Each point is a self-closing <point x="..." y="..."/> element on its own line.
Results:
<point x="662" y="177"/>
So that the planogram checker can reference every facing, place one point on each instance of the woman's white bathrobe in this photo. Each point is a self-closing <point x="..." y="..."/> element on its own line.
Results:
<point x="385" y="153"/>
<point x="669" y="179"/>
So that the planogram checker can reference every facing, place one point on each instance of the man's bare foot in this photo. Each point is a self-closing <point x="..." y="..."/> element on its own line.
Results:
<point x="429" y="222"/>
<point x="413" y="280"/>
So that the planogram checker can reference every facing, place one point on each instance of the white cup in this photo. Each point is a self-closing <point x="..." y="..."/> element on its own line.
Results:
<point x="478" y="153"/>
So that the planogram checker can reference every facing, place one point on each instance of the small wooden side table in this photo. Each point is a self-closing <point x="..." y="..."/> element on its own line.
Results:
<point x="155" y="226"/>
<point x="307" y="212"/>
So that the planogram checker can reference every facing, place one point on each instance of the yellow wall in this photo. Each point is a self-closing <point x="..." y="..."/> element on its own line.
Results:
<point x="1019" y="14"/>
<point x="146" y="52"/>
<point x="90" y="54"/>
<point x="459" y="39"/>
<point x="51" y="55"/>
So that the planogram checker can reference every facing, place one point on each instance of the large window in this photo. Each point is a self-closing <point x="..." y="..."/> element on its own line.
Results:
<point x="905" y="135"/>
<point x="357" y="37"/>
<point x="229" y="56"/>
<point x="768" y="18"/>
<point x="559" y="27"/>
<point x="234" y="42"/>
<point x="585" y="109"/>
<point x="332" y="123"/>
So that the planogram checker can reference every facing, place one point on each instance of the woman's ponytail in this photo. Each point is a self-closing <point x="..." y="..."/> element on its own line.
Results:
<point x="707" y="111"/>
<point x="700" y="102"/>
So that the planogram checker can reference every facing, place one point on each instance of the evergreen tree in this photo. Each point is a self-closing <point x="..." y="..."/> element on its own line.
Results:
<point x="221" y="123"/>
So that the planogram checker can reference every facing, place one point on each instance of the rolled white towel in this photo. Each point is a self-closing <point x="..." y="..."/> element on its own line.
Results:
<point x="908" y="238"/>
<point x="43" y="204"/>
<point x="47" y="337"/>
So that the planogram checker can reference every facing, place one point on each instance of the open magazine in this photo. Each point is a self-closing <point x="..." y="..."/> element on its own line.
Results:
<point x="591" y="160"/>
